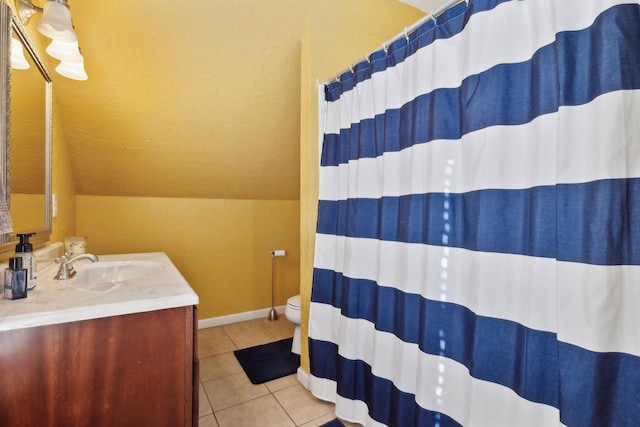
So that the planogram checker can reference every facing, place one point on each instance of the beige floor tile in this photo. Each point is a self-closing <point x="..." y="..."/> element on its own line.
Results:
<point x="264" y="321"/>
<point x="204" y="407"/>
<point x="212" y="341"/>
<point x="301" y="405"/>
<point x="280" y="383"/>
<point x="232" y="390"/>
<point x="264" y="412"/>
<point x="320" y="421"/>
<point x="280" y="328"/>
<point x="249" y="334"/>
<point x="207" y="421"/>
<point x="207" y="333"/>
<point x="247" y="325"/>
<point x="219" y="366"/>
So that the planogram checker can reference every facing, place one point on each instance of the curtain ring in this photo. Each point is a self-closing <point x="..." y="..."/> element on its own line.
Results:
<point x="434" y="18"/>
<point x="385" y="47"/>
<point x="351" y="68"/>
<point x="368" y="58"/>
<point x="406" y="34"/>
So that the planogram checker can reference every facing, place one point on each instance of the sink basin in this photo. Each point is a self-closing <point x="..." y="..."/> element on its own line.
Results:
<point x="107" y="276"/>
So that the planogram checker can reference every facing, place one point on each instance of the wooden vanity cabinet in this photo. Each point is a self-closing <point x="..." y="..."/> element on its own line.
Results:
<point x="132" y="370"/>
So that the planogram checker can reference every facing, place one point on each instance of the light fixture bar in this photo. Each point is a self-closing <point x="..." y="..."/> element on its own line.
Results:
<point x="26" y="9"/>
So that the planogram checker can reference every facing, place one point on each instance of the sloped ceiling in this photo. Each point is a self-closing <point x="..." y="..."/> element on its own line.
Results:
<point x="187" y="99"/>
<point x="424" y="5"/>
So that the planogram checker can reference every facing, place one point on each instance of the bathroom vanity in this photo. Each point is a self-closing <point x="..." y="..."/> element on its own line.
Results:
<point x="114" y="346"/>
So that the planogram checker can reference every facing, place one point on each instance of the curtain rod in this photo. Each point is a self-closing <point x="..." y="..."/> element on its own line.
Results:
<point x="404" y="34"/>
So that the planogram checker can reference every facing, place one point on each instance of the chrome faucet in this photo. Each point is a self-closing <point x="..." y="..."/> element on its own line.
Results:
<point x="66" y="270"/>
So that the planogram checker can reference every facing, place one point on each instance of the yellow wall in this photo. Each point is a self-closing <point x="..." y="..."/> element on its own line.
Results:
<point x="357" y="28"/>
<point x="220" y="246"/>
<point x="31" y="208"/>
<point x="62" y="183"/>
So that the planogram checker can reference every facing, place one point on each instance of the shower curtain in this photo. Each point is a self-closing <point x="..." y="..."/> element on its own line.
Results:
<point x="477" y="256"/>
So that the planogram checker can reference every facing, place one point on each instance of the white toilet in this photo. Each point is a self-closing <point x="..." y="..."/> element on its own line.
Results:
<point x="292" y="313"/>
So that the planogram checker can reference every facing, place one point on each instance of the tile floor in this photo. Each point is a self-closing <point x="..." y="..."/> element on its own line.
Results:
<point x="227" y="397"/>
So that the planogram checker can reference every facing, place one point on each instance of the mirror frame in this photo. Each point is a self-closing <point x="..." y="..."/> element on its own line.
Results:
<point x="12" y="26"/>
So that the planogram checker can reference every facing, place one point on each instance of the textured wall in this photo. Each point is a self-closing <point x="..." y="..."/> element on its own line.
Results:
<point x="220" y="246"/>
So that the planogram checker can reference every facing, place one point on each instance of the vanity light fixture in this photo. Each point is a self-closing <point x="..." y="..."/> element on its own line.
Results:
<point x="56" y="24"/>
<point x="72" y="70"/>
<point x="18" y="60"/>
<point x="65" y="51"/>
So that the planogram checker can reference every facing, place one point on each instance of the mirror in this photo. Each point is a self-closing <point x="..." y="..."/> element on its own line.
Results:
<point x="25" y="145"/>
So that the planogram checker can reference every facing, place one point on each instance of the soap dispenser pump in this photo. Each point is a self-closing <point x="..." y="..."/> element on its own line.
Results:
<point x="24" y="250"/>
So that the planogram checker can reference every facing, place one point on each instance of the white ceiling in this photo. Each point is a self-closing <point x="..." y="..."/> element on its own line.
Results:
<point x="424" y="5"/>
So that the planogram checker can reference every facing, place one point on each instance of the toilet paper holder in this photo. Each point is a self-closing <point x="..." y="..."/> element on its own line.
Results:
<point x="273" y="314"/>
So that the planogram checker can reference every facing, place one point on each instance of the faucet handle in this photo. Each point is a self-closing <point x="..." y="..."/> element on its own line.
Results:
<point x="64" y="258"/>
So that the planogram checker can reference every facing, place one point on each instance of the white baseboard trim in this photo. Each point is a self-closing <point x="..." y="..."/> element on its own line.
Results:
<point x="303" y="377"/>
<point x="238" y="317"/>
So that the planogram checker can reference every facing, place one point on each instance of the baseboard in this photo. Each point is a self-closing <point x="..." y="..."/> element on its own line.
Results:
<point x="239" y="317"/>
<point x="303" y="378"/>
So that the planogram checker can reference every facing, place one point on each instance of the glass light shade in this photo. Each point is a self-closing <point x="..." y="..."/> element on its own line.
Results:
<point x="65" y="51"/>
<point x="56" y="22"/>
<point x="72" y="70"/>
<point x="18" y="61"/>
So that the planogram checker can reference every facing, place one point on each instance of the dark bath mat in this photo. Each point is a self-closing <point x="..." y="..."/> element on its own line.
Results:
<point x="334" y="423"/>
<point x="267" y="362"/>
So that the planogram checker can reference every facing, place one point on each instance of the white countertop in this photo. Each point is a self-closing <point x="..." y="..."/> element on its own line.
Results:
<point x="62" y="301"/>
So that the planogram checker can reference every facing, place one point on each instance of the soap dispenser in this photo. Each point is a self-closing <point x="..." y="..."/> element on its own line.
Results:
<point x="24" y="250"/>
<point x="15" y="279"/>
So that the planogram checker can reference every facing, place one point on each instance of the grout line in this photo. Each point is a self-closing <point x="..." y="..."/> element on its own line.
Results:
<point x="235" y="344"/>
<point x="242" y="403"/>
<point x="285" y="410"/>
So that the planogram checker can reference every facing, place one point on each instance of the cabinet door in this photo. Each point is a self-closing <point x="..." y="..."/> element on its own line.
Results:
<point x="132" y="370"/>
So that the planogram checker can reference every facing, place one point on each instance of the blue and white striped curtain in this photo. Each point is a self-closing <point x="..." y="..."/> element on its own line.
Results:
<point x="478" y="240"/>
